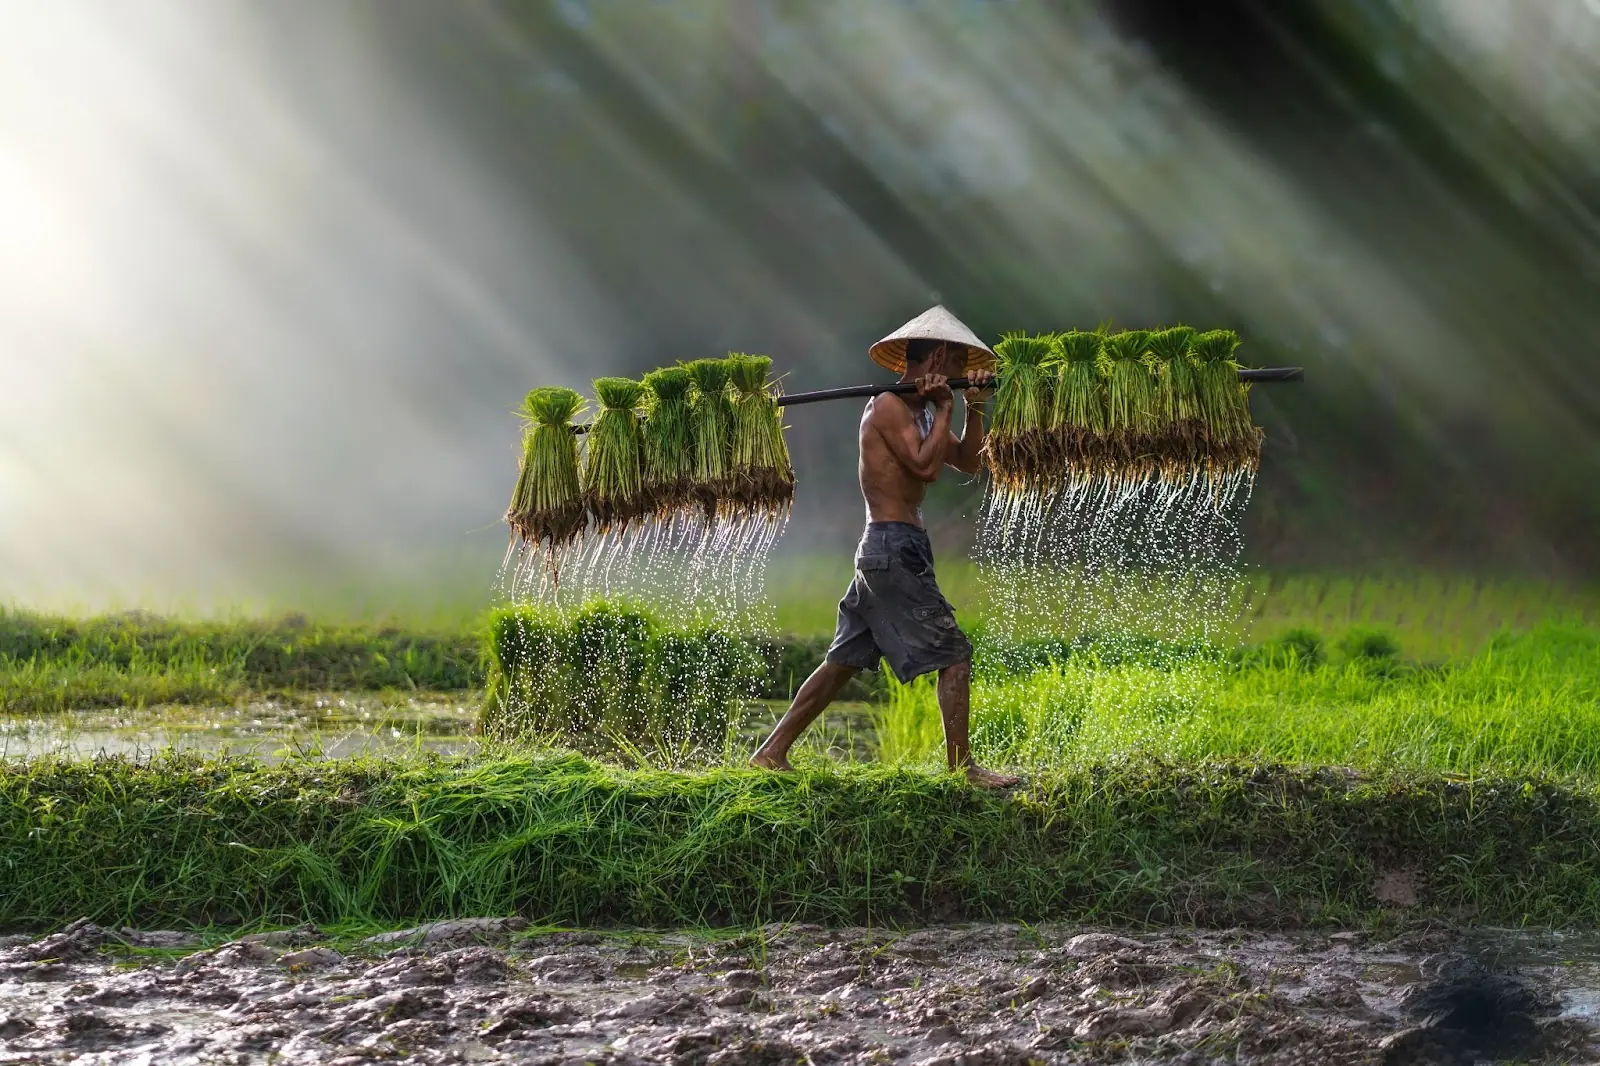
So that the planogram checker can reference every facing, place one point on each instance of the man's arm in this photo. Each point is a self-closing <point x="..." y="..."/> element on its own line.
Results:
<point x="922" y="458"/>
<point x="965" y="453"/>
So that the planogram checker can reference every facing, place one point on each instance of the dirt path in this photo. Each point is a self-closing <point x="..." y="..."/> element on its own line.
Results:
<point x="993" y="995"/>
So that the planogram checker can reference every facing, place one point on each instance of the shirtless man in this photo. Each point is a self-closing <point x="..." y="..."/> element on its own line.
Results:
<point x="893" y="609"/>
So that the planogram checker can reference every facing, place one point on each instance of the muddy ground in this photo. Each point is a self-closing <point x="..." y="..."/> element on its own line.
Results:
<point x="493" y="991"/>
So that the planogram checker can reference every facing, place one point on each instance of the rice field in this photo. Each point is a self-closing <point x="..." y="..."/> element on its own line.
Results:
<point x="1429" y="724"/>
<point x="1435" y="617"/>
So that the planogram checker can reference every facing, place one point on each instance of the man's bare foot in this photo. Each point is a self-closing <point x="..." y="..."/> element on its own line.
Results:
<point x="977" y="775"/>
<point x="762" y="761"/>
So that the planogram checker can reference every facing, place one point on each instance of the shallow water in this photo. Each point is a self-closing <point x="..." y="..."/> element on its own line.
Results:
<point x="972" y="995"/>
<point x="344" y="725"/>
<point x="334" y="725"/>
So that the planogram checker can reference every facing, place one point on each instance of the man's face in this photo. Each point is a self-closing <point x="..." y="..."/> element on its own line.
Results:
<point x="951" y="361"/>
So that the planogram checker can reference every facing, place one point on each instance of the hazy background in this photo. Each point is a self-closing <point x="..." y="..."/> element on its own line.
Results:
<point x="274" y="274"/>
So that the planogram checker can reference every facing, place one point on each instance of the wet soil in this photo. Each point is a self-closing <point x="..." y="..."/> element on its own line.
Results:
<point x="335" y="725"/>
<point x="492" y="990"/>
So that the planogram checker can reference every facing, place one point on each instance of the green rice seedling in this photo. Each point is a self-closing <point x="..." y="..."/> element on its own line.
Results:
<point x="1235" y="438"/>
<point x="1019" y="444"/>
<point x="713" y="432"/>
<point x="1132" y="412"/>
<point x="547" y="504"/>
<point x="1078" y="415"/>
<point x="1178" y="400"/>
<point x="616" y="680"/>
<point x="613" y="470"/>
<point x="669" y="455"/>
<point x="763" y="479"/>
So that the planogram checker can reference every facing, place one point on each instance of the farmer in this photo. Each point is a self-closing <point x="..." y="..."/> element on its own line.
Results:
<point x="893" y="609"/>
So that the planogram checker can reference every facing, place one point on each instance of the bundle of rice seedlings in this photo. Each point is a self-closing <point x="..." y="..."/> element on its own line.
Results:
<point x="1019" y="445"/>
<point x="763" y="480"/>
<point x="1178" y="399"/>
<point x="547" y="503"/>
<point x="1235" y="440"/>
<point x="1078" y="417"/>
<point x="613" y="469"/>
<point x="1132" y="404"/>
<point x="713" y="429"/>
<point x="669" y="442"/>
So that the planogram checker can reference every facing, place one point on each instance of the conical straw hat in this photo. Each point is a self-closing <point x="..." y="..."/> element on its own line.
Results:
<point x="933" y="324"/>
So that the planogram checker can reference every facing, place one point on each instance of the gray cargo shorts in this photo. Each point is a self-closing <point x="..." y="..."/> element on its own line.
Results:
<point x="894" y="610"/>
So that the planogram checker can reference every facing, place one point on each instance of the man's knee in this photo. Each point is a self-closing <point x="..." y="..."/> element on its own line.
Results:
<point x="957" y="673"/>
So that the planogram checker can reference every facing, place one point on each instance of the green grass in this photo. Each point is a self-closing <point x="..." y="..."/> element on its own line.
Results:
<point x="1435" y="616"/>
<point x="1527" y="704"/>
<point x="176" y="841"/>
<point x="52" y="663"/>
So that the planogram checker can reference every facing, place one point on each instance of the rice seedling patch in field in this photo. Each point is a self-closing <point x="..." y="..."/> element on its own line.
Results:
<point x="617" y="677"/>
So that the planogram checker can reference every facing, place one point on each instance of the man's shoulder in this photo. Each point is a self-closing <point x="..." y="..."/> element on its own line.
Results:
<point x="887" y="406"/>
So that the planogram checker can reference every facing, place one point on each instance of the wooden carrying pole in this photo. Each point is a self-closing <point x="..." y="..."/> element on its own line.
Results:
<point x="904" y="388"/>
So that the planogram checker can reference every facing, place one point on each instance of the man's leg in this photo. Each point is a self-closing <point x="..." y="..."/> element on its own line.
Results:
<point x="812" y="699"/>
<point x="955" y="701"/>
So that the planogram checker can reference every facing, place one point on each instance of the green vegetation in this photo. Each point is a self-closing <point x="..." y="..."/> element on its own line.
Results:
<point x="762" y="476"/>
<point x="1185" y="438"/>
<point x="49" y="663"/>
<point x="547" y="504"/>
<point x="713" y="431"/>
<point x="1434" y="616"/>
<point x="172" y="841"/>
<point x="1526" y="704"/>
<point x="1133" y="416"/>
<point x="669" y="442"/>
<point x="1234" y="437"/>
<point x="1018" y="444"/>
<point x="619" y="679"/>
<point x="1078" y="414"/>
<point x="613" y="460"/>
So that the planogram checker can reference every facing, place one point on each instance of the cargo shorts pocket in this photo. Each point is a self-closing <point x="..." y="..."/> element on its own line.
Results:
<point x="936" y="615"/>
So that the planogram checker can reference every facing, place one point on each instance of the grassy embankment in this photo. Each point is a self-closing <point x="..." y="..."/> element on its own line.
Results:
<point x="556" y="838"/>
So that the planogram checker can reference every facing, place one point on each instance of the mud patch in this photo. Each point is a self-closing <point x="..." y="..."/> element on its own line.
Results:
<point x="985" y="995"/>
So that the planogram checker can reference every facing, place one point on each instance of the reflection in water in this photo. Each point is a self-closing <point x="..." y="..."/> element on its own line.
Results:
<point x="333" y="726"/>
